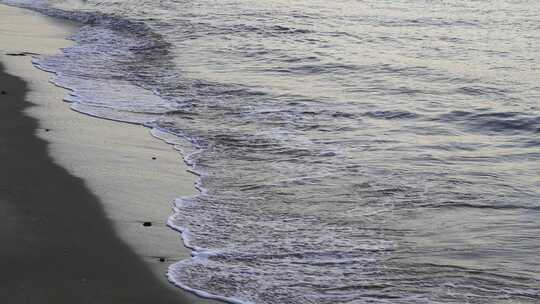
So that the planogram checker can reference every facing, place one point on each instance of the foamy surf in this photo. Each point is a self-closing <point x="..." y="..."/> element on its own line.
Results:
<point x="369" y="164"/>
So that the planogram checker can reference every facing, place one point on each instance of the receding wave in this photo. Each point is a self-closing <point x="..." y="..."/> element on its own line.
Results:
<point x="340" y="160"/>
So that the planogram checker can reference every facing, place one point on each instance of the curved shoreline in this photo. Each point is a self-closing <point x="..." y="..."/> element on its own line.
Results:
<point x="58" y="245"/>
<point x="75" y="190"/>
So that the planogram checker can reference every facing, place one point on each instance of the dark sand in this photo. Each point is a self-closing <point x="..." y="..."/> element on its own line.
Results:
<point x="56" y="244"/>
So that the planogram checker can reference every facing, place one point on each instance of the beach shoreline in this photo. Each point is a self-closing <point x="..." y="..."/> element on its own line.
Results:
<point x="56" y="251"/>
<point x="120" y="176"/>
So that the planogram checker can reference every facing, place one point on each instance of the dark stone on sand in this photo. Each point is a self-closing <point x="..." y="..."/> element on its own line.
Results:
<point x="16" y="54"/>
<point x="3" y="92"/>
<point x="154" y="158"/>
<point x="162" y="260"/>
<point x="21" y="54"/>
<point x="47" y="130"/>
<point x="147" y="224"/>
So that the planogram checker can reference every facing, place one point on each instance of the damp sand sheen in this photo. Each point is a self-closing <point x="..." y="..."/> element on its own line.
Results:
<point x="124" y="175"/>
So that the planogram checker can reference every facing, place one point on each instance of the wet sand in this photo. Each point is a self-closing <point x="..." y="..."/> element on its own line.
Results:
<point x="57" y="244"/>
<point x="75" y="190"/>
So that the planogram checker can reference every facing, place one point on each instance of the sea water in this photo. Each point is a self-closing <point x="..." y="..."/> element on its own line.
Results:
<point x="347" y="151"/>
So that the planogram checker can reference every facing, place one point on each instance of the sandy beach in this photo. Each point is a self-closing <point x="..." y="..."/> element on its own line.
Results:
<point x="75" y="191"/>
<point x="263" y="152"/>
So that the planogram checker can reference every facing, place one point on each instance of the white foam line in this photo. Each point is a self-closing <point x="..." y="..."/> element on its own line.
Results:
<point x="198" y="254"/>
<point x="198" y="292"/>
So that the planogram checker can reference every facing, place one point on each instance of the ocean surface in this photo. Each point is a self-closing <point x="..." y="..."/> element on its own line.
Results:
<point x="348" y="151"/>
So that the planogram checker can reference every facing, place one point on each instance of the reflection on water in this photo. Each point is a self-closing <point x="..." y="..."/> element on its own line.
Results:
<point x="349" y="151"/>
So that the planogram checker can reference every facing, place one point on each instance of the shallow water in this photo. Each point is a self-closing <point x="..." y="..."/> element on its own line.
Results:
<point x="349" y="151"/>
